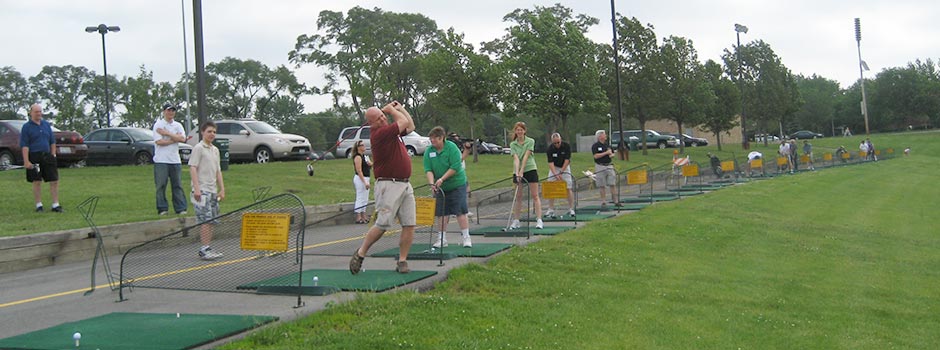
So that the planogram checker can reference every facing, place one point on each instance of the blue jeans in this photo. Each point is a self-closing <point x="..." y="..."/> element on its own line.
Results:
<point x="162" y="172"/>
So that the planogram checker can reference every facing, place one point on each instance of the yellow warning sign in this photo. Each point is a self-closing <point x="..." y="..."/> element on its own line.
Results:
<point x="757" y="163"/>
<point x="727" y="165"/>
<point x="424" y="210"/>
<point x="804" y="159"/>
<point x="890" y="150"/>
<point x="827" y="157"/>
<point x="636" y="177"/>
<point x="877" y="152"/>
<point x="862" y="154"/>
<point x="265" y="231"/>
<point x="555" y="189"/>
<point x="690" y="170"/>
<point x="846" y="155"/>
<point x="781" y="161"/>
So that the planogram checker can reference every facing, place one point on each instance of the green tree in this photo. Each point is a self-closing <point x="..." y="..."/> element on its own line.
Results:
<point x="103" y="106"/>
<point x="641" y="71"/>
<point x="769" y="88"/>
<point x="14" y="94"/>
<point x="552" y="67"/>
<point x="905" y="96"/>
<point x="721" y="115"/>
<point x="61" y="88"/>
<point x="375" y="52"/>
<point x="820" y="97"/>
<point x="687" y="93"/>
<point x="143" y="98"/>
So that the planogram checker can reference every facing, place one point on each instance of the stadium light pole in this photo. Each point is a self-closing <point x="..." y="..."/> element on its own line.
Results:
<point x="862" y="67"/>
<point x="104" y="29"/>
<point x="738" y="29"/>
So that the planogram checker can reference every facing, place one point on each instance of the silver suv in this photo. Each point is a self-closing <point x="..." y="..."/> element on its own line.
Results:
<point x="414" y="143"/>
<point x="257" y="141"/>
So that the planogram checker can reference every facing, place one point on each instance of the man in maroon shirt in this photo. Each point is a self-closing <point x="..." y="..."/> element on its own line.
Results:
<point x="394" y="196"/>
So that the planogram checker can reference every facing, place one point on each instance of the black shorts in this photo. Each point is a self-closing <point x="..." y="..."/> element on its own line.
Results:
<point x="48" y="170"/>
<point x="531" y="176"/>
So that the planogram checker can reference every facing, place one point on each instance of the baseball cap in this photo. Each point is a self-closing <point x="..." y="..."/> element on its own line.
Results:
<point x="168" y="105"/>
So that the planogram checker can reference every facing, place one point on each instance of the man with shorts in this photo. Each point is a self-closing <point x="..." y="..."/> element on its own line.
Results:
<point x="205" y="172"/>
<point x="559" y="168"/>
<point x="39" y="157"/>
<point x="605" y="174"/>
<point x="808" y="152"/>
<point x="445" y="173"/>
<point x="751" y="157"/>
<point x="394" y="196"/>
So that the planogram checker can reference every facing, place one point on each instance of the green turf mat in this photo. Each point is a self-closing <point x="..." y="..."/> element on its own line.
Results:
<point x="635" y="200"/>
<point x="365" y="281"/>
<point x="143" y="331"/>
<point x="566" y="218"/>
<point x="701" y="187"/>
<point x="590" y="209"/>
<point x="478" y="250"/>
<point x="498" y="230"/>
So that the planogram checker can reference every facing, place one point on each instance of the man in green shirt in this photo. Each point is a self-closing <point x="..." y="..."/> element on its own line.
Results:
<point x="444" y="169"/>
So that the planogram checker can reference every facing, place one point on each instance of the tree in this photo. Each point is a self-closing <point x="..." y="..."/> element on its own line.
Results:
<point x="143" y="99"/>
<point x="818" y="111"/>
<point x="552" y="69"/>
<point x="905" y="96"/>
<point x="14" y="94"/>
<point x="61" y="87"/>
<point x="642" y="75"/>
<point x="687" y="94"/>
<point x="374" y="51"/>
<point x="102" y="107"/>
<point x="459" y="78"/>
<point x="721" y="114"/>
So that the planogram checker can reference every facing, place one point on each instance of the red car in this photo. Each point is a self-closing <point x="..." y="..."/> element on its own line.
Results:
<point x="71" y="146"/>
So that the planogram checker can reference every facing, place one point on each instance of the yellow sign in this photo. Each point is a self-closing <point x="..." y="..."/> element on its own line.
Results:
<point x="690" y="170"/>
<point x="846" y="155"/>
<point x="555" y="189"/>
<point x="877" y="152"/>
<point x="804" y="159"/>
<point x="265" y="231"/>
<point x="424" y="208"/>
<point x="827" y="157"/>
<point x="862" y="154"/>
<point x="757" y="163"/>
<point x="781" y="161"/>
<point x="890" y="150"/>
<point x="727" y="165"/>
<point x="636" y="177"/>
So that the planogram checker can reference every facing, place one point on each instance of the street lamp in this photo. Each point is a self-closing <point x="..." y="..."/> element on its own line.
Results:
<point x="862" y="67"/>
<point x="738" y="29"/>
<point x="104" y="29"/>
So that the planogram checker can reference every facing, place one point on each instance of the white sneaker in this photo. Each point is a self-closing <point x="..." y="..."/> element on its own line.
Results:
<point x="441" y="241"/>
<point x="572" y="213"/>
<point x="515" y="224"/>
<point x="470" y="213"/>
<point x="550" y="213"/>
<point x="466" y="242"/>
<point x="209" y="254"/>
<point x="538" y="223"/>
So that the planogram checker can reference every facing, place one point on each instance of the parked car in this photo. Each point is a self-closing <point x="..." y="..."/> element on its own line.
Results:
<point x="653" y="138"/>
<point x="805" y="134"/>
<point x="257" y="141"/>
<point x="690" y="141"/>
<point x="491" y="148"/>
<point x="123" y="146"/>
<point x="414" y="143"/>
<point x="71" y="147"/>
<point x="769" y="138"/>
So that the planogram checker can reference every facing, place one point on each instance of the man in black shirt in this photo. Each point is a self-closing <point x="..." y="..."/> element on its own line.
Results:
<point x="605" y="174"/>
<point x="559" y="161"/>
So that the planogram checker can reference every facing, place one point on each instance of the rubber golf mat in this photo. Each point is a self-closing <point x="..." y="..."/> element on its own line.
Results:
<point x="478" y="250"/>
<point x="144" y="331"/>
<point x="566" y="218"/>
<point x="499" y="231"/>
<point x="589" y="209"/>
<point x="365" y="281"/>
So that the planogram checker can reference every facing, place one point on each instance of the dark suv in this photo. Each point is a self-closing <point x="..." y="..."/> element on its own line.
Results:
<point x="71" y="146"/>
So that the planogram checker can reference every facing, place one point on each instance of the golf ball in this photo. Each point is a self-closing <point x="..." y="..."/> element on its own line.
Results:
<point x="77" y="336"/>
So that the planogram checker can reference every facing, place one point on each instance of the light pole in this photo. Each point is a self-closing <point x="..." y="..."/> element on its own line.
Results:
<point x="104" y="29"/>
<point x="862" y="67"/>
<point x="738" y="29"/>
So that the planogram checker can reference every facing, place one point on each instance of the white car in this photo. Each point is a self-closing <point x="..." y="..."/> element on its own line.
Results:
<point x="414" y="143"/>
<point x="257" y="141"/>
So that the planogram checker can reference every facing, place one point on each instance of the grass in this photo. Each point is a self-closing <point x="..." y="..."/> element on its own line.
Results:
<point x="840" y="258"/>
<point x="127" y="192"/>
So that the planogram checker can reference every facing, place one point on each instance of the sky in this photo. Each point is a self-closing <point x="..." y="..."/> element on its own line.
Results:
<point x="811" y="37"/>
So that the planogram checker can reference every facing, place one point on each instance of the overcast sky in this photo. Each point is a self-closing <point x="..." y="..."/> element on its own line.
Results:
<point x="811" y="37"/>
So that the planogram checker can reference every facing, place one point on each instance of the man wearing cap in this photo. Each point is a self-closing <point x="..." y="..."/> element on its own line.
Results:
<point x="167" y="134"/>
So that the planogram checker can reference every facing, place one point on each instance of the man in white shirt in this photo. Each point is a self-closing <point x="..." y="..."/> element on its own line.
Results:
<point x="167" y="135"/>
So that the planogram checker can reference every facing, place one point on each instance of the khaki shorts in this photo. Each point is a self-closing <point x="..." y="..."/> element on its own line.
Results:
<point x="394" y="200"/>
<point x="565" y="176"/>
<point x="605" y="175"/>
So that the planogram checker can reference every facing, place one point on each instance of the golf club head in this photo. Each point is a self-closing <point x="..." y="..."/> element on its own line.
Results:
<point x="310" y="169"/>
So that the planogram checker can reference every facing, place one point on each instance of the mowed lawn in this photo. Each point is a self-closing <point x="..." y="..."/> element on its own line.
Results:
<point x="843" y="258"/>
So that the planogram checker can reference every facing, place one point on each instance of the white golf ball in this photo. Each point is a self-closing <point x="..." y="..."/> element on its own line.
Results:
<point x="77" y="336"/>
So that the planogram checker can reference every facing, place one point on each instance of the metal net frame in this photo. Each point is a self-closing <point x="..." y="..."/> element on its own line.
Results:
<point x="172" y="260"/>
<point x="497" y="209"/>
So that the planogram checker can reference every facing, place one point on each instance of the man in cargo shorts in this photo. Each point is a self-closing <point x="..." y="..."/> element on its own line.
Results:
<point x="394" y="196"/>
<point x="605" y="175"/>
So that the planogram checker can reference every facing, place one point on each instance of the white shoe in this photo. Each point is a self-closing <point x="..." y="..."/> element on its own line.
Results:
<point x="466" y="242"/>
<point x="571" y="213"/>
<point x="515" y="224"/>
<point x="550" y="213"/>
<point x="470" y="213"/>
<point x="209" y="254"/>
<point x="538" y="223"/>
<point x="440" y="241"/>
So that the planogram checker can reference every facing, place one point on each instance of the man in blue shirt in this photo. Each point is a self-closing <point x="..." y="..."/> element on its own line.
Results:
<point x="39" y="157"/>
